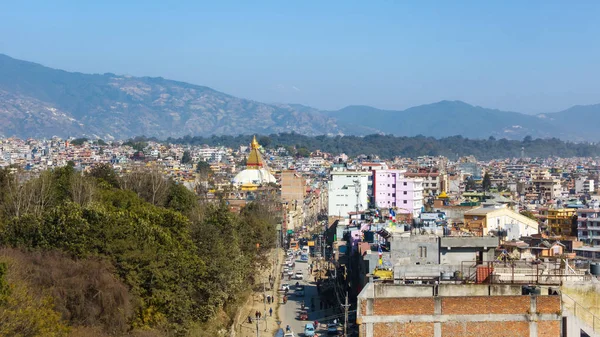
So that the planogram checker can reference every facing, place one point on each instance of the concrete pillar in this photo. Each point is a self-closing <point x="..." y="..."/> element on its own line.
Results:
<point x="533" y="317"/>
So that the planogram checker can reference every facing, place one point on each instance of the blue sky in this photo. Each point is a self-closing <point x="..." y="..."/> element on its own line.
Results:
<point x="527" y="56"/>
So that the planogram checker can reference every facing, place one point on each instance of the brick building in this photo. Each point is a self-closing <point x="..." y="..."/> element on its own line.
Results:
<point x="456" y="310"/>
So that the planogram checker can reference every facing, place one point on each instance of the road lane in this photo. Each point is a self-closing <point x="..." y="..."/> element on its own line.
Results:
<point x="289" y="313"/>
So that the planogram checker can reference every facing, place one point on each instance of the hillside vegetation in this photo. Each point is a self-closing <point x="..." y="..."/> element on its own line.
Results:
<point x="138" y="255"/>
<point x="388" y="146"/>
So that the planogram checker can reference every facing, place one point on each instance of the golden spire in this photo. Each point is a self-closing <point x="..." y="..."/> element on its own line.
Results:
<point x="254" y="160"/>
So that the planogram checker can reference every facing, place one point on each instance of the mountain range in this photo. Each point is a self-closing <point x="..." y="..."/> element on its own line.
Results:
<point x="37" y="101"/>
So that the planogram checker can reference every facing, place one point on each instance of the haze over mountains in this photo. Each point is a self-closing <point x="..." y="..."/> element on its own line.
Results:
<point x="37" y="101"/>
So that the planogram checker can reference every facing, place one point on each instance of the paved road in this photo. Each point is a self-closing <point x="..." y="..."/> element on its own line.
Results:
<point x="289" y="313"/>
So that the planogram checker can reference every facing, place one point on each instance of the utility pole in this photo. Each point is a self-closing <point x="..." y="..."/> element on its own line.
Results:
<point x="346" y="306"/>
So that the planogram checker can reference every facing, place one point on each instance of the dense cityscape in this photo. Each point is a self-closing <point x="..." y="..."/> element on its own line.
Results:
<point x="372" y="244"/>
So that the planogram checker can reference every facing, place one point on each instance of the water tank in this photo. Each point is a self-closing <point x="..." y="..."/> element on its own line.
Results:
<point x="446" y="276"/>
<point x="595" y="268"/>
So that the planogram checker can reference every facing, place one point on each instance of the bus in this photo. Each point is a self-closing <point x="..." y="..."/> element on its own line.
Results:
<point x="294" y="245"/>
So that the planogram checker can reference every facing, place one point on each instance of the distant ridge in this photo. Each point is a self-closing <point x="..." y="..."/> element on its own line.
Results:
<point x="37" y="101"/>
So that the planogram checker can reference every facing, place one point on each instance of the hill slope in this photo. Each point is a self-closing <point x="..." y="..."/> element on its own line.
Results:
<point x="39" y="101"/>
<point x="447" y="118"/>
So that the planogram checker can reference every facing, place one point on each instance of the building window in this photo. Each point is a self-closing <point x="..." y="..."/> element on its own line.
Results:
<point x="393" y="185"/>
<point x="405" y="183"/>
<point x="404" y="202"/>
<point x="393" y="194"/>
<point x="422" y="252"/>
<point x="405" y="192"/>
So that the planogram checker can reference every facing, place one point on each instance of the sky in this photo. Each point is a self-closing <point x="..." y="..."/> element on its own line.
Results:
<point x="526" y="56"/>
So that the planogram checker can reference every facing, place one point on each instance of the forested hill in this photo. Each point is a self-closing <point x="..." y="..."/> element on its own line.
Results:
<point x="387" y="146"/>
<point x="99" y="255"/>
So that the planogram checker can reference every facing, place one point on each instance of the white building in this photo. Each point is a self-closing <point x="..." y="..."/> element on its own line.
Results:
<point x="342" y="191"/>
<point x="584" y="185"/>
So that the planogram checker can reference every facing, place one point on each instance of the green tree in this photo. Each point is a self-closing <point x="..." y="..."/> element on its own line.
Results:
<point x="79" y="141"/>
<point x="529" y="215"/>
<point x="186" y="158"/>
<point x="203" y="168"/>
<point x="487" y="182"/>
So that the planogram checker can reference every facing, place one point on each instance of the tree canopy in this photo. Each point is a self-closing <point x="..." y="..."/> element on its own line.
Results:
<point x="180" y="262"/>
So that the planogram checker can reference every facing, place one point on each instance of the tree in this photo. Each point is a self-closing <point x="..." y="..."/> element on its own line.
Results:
<point x="487" y="182"/>
<point x="186" y="158"/>
<point x="528" y="214"/>
<point x="203" y="168"/>
<point x="79" y="141"/>
<point x="265" y="141"/>
<point x="470" y="184"/>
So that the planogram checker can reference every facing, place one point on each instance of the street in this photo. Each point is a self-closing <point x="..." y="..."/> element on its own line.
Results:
<point x="289" y="312"/>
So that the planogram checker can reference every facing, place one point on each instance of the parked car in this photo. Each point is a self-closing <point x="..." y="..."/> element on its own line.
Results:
<point x="299" y="275"/>
<point x="289" y="334"/>
<point x="332" y="329"/>
<point x="309" y="330"/>
<point x="285" y="287"/>
<point x="290" y="272"/>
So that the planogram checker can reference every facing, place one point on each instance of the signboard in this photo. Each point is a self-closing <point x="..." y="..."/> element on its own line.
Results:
<point x="290" y="231"/>
<point x="311" y="243"/>
<point x="430" y="216"/>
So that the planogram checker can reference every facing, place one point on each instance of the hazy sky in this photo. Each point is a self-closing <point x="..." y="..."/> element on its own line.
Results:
<point x="528" y="56"/>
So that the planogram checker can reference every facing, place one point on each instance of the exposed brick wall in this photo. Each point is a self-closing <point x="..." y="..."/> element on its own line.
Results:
<point x="548" y="304"/>
<point x="474" y="305"/>
<point x="491" y="329"/>
<point x="549" y="329"/>
<point x="497" y="329"/>
<point x="403" y="306"/>
<point x="403" y="329"/>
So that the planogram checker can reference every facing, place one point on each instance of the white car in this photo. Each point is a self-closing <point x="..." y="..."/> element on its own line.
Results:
<point x="285" y="287"/>
<point x="289" y="334"/>
<point x="290" y="272"/>
<point x="299" y="275"/>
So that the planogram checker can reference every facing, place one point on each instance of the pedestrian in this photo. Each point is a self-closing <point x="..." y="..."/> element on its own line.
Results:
<point x="270" y="311"/>
<point x="256" y="314"/>
<point x="249" y="319"/>
<point x="268" y="299"/>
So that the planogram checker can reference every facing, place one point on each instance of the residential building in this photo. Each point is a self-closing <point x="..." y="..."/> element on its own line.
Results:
<point x="501" y="221"/>
<point x="559" y="221"/>
<point x="457" y="310"/>
<point x="588" y="226"/>
<point x="583" y="185"/>
<point x="293" y="186"/>
<point x="390" y="189"/>
<point x="347" y="191"/>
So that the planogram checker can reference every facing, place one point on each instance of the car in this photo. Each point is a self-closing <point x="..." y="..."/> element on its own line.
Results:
<point x="289" y="334"/>
<point x="285" y="287"/>
<point x="332" y="329"/>
<point x="309" y="330"/>
<point x="299" y="275"/>
<point x="304" y="258"/>
<point x="290" y="272"/>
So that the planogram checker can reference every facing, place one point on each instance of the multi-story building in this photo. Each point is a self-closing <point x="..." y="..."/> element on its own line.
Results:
<point x="584" y="185"/>
<point x="434" y="183"/>
<point x="347" y="191"/>
<point x="544" y="187"/>
<point x="390" y="189"/>
<point x="560" y="221"/>
<point x="293" y="186"/>
<point x="588" y="225"/>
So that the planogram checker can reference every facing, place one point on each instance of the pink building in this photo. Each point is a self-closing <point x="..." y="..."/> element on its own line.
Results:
<point x="390" y="189"/>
